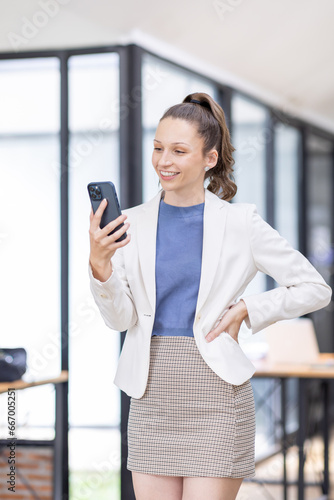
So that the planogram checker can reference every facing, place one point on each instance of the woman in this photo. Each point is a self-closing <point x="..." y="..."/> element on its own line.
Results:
<point x="175" y="289"/>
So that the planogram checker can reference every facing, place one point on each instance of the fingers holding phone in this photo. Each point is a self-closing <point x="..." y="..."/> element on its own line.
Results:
<point x="111" y="236"/>
<point x="95" y="218"/>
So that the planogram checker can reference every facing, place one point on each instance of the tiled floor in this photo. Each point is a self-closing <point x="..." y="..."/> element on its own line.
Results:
<point x="272" y="468"/>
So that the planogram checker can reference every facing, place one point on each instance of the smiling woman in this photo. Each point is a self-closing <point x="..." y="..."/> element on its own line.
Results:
<point x="176" y="287"/>
<point x="206" y="140"/>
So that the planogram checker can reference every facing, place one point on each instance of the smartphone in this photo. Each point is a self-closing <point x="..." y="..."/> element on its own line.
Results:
<point x="97" y="192"/>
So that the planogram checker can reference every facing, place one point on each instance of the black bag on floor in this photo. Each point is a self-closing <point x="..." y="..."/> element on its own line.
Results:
<point x="13" y="364"/>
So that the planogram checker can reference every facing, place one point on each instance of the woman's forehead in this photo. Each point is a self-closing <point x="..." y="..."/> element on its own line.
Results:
<point x="176" y="130"/>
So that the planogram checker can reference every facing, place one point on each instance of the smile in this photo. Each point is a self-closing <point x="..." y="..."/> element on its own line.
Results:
<point x="170" y="175"/>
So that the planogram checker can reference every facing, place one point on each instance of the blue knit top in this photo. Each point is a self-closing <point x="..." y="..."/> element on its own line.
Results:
<point x="178" y="268"/>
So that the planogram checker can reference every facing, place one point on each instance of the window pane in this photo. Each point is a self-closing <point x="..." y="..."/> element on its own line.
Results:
<point x="94" y="157"/>
<point x="94" y="348"/>
<point x="287" y="144"/>
<point x="35" y="413"/>
<point x="286" y="189"/>
<point x="94" y="97"/>
<point x="163" y="86"/>
<point x="319" y="225"/>
<point x="249" y="137"/>
<point x="29" y="229"/>
<point x="32" y="97"/>
<point x="95" y="465"/>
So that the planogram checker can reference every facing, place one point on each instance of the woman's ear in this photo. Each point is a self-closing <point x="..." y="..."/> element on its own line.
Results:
<point x="211" y="158"/>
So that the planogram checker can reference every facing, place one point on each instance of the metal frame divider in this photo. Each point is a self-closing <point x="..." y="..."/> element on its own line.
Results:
<point x="302" y="184"/>
<point x="61" y="469"/>
<point x="270" y="174"/>
<point x="131" y="193"/>
<point x="224" y="98"/>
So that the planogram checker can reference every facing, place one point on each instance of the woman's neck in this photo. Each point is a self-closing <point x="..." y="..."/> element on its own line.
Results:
<point x="172" y="198"/>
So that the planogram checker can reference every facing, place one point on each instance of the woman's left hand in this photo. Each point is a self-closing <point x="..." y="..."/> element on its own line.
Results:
<point x="230" y="322"/>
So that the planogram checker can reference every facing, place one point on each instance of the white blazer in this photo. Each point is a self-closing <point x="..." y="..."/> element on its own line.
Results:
<point x="237" y="243"/>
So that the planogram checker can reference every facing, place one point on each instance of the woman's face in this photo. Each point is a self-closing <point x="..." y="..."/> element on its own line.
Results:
<point x="178" y="160"/>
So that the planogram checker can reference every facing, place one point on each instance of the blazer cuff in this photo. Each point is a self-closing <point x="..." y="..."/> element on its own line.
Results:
<point x="261" y="310"/>
<point x="90" y="272"/>
<point x="105" y="289"/>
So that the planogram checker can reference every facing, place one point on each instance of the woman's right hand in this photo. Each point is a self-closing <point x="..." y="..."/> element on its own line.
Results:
<point x="102" y="246"/>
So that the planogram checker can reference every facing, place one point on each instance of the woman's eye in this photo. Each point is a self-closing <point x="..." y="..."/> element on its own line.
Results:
<point x="157" y="149"/>
<point x="179" y="152"/>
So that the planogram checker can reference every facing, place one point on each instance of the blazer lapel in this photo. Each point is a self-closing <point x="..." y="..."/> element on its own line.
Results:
<point x="146" y="238"/>
<point x="214" y="223"/>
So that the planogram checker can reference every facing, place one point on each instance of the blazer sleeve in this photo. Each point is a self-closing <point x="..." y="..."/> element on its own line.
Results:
<point x="113" y="297"/>
<point x="301" y="288"/>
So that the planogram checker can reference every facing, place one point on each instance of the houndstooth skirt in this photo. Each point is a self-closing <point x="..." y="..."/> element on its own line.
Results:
<point x="190" y="422"/>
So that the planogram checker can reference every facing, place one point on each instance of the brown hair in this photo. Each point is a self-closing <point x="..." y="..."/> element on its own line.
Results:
<point x="211" y="125"/>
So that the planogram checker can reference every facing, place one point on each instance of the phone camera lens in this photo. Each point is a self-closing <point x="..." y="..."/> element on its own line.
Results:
<point x="91" y="189"/>
<point x="97" y="190"/>
<point x="93" y="196"/>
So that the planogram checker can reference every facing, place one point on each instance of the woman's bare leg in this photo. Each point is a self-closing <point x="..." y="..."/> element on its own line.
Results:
<point x="215" y="488"/>
<point x="154" y="487"/>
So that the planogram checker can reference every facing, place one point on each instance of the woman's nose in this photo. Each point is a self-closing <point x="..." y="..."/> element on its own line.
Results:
<point x="165" y="159"/>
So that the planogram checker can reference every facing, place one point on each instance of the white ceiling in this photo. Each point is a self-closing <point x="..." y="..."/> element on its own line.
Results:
<point x="280" y="51"/>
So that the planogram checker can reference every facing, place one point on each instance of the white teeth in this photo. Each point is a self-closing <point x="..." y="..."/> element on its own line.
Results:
<point x="168" y="174"/>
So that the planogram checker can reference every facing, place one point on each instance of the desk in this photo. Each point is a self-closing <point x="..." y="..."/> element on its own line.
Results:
<point x="60" y="443"/>
<point x="322" y="370"/>
<point x="21" y="384"/>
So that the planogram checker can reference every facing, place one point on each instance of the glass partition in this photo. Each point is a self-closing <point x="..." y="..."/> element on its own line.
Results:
<point x="286" y="188"/>
<point x="30" y="232"/>
<point x="287" y="144"/>
<point x="94" y="400"/>
<point x="319" y="203"/>
<point x="249" y="137"/>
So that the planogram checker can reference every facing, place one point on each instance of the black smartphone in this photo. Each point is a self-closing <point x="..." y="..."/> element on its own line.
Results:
<point x="97" y="192"/>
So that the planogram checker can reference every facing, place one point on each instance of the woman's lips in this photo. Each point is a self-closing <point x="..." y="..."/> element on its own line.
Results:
<point x="167" y="176"/>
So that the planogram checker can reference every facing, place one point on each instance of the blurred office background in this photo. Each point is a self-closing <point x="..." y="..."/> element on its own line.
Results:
<point x="82" y="87"/>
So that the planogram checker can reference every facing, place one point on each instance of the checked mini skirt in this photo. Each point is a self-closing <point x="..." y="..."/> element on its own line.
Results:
<point x="189" y="421"/>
